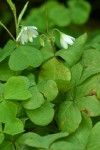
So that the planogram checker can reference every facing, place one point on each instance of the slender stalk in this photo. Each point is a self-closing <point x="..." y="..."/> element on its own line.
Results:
<point x="16" y="24"/>
<point x="7" y="30"/>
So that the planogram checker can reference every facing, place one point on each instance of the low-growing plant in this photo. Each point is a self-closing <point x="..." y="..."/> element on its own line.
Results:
<point x="49" y="90"/>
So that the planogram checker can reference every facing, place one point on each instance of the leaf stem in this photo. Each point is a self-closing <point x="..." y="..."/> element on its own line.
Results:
<point x="16" y="24"/>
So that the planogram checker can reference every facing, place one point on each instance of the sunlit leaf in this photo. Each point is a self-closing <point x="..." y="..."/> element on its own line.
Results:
<point x="56" y="70"/>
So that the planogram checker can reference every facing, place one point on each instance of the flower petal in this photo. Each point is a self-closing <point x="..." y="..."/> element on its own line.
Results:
<point x="27" y="34"/>
<point x="19" y="35"/>
<point x="66" y="39"/>
<point x="33" y="33"/>
<point x="24" y="38"/>
<point x="32" y="27"/>
<point x="63" y="44"/>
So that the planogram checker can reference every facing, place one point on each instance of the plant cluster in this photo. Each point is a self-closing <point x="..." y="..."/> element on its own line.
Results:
<point x="49" y="89"/>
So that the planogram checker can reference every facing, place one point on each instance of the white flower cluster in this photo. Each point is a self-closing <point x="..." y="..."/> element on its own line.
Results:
<point x="27" y="34"/>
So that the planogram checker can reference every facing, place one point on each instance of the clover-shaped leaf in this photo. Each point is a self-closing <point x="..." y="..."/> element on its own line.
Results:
<point x="41" y="116"/>
<point x="17" y="88"/>
<point x="13" y="125"/>
<point x="24" y="57"/>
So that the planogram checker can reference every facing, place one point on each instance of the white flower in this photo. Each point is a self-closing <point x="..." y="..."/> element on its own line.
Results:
<point x="66" y="40"/>
<point x="27" y="34"/>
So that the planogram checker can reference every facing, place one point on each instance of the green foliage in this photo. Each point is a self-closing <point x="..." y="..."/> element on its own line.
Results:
<point x="77" y="7"/>
<point x="58" y="15"/>
<point x="50" y="96"/>
<point x="35" y="140"/>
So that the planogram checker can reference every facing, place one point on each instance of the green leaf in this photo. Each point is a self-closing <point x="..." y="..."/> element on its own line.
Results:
<point x="17" y="88"/>
<point x="7" y="50"/>
<point x="98" y="92"/>
<point x="35" y="140"/>
<point x="20" y="111"/>
<point x="1" y="137"/>
<point x="73" y="54"/>
<point x="24" y="57"/>
<point x="47" y="51"/>
<point x="91" y="63"/>
<point x="49" y="89"/>
<point x="69" y="117"/>
<point x="77" y="140"/>
<point x="32" y="79"/>
<point x="12" y="6"/>
<point x="0" y="127"/>
<point x="88" y="88"/>
<point x="55" y="70"/>
<point x="2" y="86"/>
<point x="94" y="142"/>
<point x="14" y="127"/>
<point x="89" y="105"/>
<point x="76" y="72"/>
<point x="91" y="57"/>
<point x="5" y="72"/>
<point x="8" y="112"/>
<point x="23" y="147"/>
<point x="88" y="72"/>
<point x="81" y="7"/>
<point x="63" y="145"/>
<point x="22" y="12"/>
<point x="7" y="145"/>
<point x="36" y="100"/>
<point x="80" y="137"/>
<point x="60" y="15"/>
<point x="41" y="116"/>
